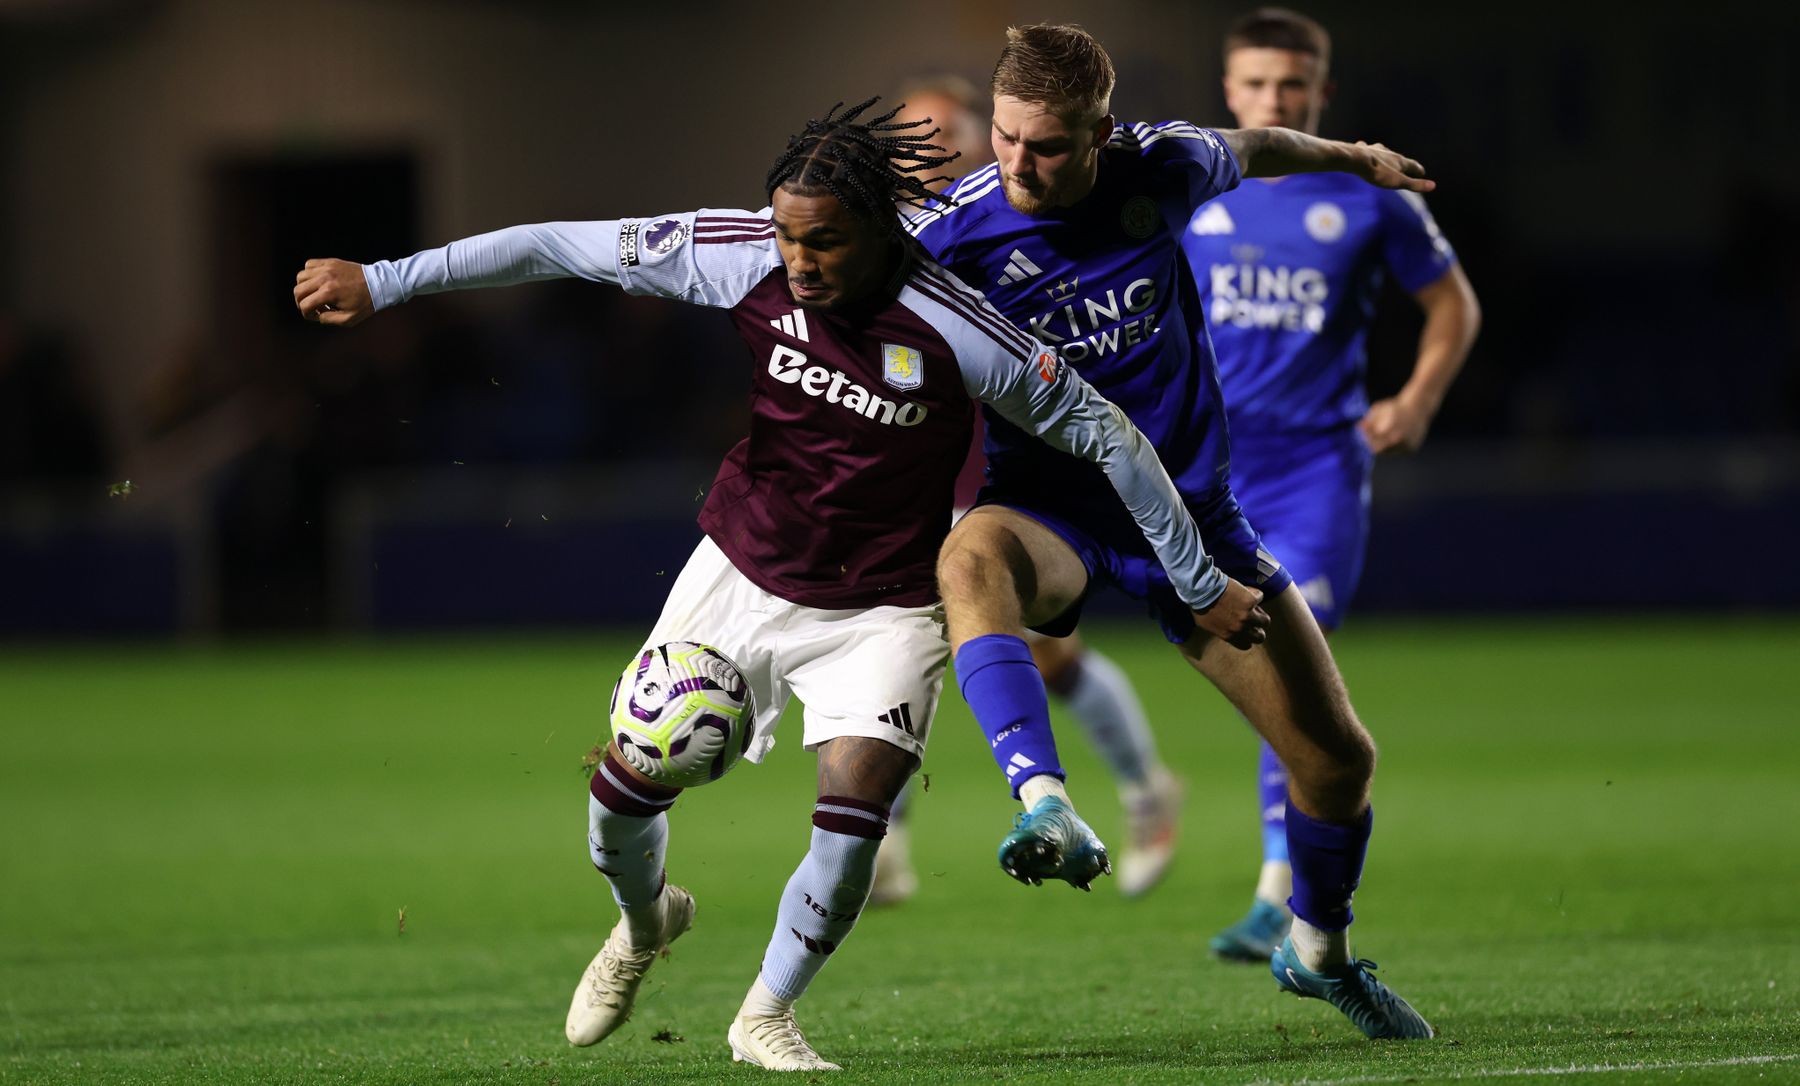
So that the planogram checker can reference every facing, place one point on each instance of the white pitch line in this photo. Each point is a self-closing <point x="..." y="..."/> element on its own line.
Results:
<point x="1529" y="1072"/>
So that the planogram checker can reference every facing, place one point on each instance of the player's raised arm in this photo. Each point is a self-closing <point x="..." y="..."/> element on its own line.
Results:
<point x="1275" y="152"/>
<point x="339" y="292"/>
<point x="671" y="256"/>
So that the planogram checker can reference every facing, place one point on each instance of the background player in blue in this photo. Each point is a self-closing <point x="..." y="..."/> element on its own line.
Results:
<point x="1289" y="270"/>
<point x="1073" y="233"/>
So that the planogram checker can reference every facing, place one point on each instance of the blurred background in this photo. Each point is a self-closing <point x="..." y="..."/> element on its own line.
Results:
<point x="180" y="455"/>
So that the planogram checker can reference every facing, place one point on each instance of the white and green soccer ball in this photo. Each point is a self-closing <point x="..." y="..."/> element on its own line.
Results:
<point x="681" y="713"/>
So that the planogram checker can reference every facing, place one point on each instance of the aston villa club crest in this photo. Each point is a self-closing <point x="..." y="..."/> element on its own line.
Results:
<point x="902" y="367"/>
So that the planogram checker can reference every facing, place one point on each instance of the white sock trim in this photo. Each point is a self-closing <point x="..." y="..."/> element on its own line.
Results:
<point x="1318" y="948"/>
<point x="1039" y="787"/>
<point x="762" y="1002"/>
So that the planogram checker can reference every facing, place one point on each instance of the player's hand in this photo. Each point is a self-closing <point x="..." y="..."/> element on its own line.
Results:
<point x="333" y="292"/>
<point x="1236" y="617"/>
<point x="1395" y="424"/>
<point x="1390" y="169"/>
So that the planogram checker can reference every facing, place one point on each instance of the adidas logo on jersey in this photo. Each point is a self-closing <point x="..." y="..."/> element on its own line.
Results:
<point x="1018" y="267"/>
<point x="793" y="325"/>
<point x="1214" y="219"/>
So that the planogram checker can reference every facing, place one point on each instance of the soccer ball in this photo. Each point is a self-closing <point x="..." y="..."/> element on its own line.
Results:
<point x="681" y="713"/>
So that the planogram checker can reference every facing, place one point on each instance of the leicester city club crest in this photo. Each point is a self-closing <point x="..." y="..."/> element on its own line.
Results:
<point x="1139" y="218"/>
<point x="1325" y="222"/>
<point x="902" y="367"/>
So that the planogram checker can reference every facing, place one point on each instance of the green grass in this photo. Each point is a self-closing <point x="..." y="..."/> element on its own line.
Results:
<point x="1587" y="853"/>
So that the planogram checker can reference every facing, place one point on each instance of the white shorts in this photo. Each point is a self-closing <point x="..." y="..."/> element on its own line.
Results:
<point x="875" y="672"/>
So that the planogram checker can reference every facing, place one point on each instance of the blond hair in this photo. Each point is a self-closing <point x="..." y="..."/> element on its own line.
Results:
<point x="1060" y="67"/>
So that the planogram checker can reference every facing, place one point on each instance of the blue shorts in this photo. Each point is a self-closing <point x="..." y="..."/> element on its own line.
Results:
<point x="1116" y="553"/>
<point x="1309" y="497"/>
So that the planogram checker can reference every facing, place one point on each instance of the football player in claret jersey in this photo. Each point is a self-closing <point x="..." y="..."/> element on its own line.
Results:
<point x="1289" y="270"/>
<point x="1074" y="234"/>
<point x="823" y="526"/>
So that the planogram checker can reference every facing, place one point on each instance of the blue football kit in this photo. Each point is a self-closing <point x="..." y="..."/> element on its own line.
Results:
<point x="1290" y="270"/>
<point x="1105" y="283"/>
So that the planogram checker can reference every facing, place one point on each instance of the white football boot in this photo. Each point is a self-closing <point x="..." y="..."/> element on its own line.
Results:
<point x="773" y="1042"/>
<point x="1153" y="814"/>
<point x="608" y="988"/>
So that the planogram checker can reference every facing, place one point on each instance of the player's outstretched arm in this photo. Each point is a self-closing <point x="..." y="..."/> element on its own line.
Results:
<point x="338" y="292"/>
<point x="1276" y="152"/>
<point x="333" y="292"/>
<point x="664" y="257"/>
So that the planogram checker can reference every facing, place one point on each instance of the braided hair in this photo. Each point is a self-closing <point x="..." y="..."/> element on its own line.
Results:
<point x="865" y="164"/>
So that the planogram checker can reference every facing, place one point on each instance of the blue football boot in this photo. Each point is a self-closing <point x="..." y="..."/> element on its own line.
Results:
<point x="1353" y="989"/>
<point x="1255" y="937"/>
<point x="1050" y="841"/>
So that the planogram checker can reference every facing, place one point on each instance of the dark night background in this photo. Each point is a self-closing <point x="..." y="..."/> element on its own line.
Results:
<point x="1622" y="184"/>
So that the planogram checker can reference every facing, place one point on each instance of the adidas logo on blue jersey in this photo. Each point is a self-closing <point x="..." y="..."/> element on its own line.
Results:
<point x="1018" y="267"/>
<point x="1214" y="219"/>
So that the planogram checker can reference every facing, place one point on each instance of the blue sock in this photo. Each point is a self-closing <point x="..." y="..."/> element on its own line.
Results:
<point x="1272" y="784"/>
<point x="1328" y="863"/>
<point x="1006" y="694"/>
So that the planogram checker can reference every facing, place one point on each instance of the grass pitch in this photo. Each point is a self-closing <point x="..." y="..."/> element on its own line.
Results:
<point x="1587" y="859"/>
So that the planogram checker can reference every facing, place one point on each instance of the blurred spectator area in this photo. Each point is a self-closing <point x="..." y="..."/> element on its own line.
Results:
<point x="178" y="451"/>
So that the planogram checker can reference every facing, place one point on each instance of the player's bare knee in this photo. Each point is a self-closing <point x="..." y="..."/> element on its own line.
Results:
<point x="871" y="770"/>
<point x="1332" y="775"/>
<point x="1357" y="756"/>
<point x="981" y="563"/>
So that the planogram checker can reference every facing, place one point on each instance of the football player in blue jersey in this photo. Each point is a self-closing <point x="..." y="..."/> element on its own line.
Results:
<point x="1094" y="690"/>
<point x="1289" y="270"/>
<point x="1074" y="235"/>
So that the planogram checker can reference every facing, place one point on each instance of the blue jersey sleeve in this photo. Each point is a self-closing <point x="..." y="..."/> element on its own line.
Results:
<point x="1413" y="247"/>
<point x="1199" y="153"/>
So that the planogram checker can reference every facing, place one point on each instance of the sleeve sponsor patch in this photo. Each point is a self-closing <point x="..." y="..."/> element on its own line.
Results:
<point x="628" y="243"/>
